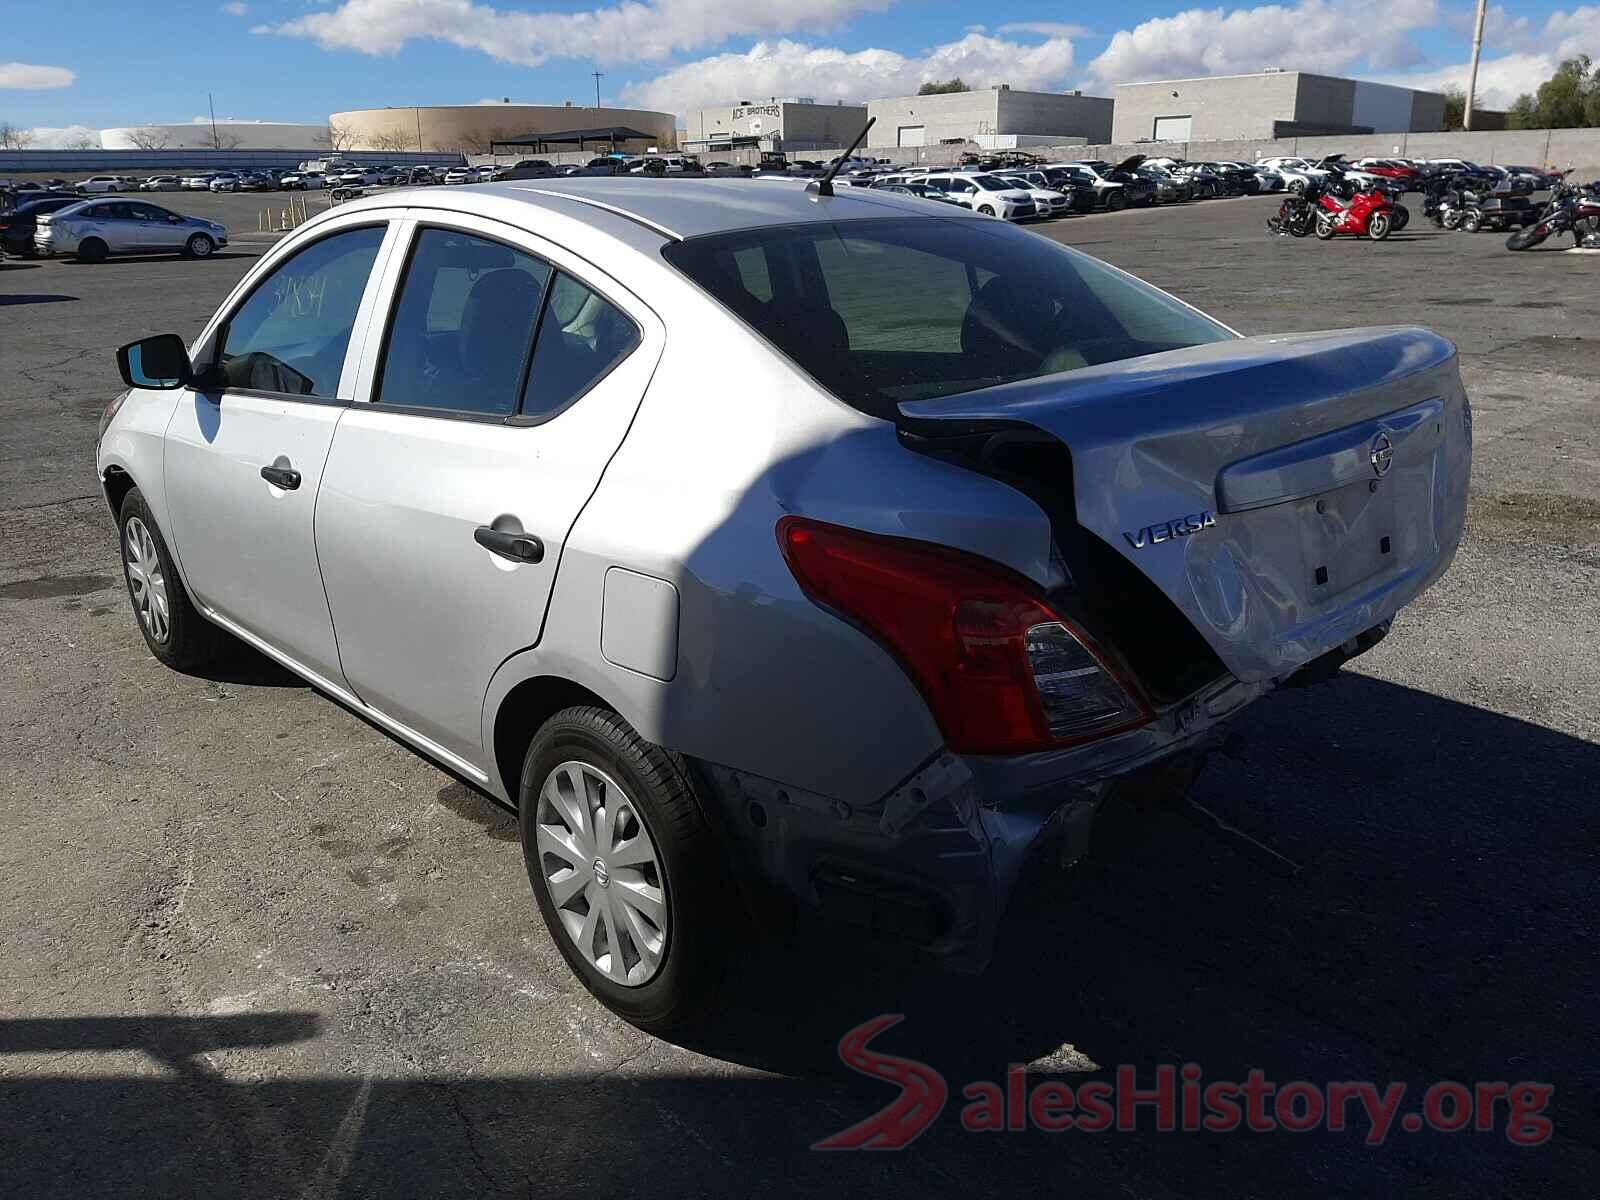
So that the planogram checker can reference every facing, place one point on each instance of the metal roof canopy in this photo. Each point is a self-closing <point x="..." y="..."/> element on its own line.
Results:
<point x="569" y="137"/>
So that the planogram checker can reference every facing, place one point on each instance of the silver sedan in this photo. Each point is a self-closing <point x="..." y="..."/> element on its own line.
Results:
<point x="964" y="529"/>
<point x="97" y="228"/>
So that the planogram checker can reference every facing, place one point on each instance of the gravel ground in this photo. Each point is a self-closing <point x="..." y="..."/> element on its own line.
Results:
<point x="256" y="948"/>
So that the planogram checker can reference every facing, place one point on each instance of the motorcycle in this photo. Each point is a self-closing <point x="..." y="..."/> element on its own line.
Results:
<point x="1368" y="212"/>
<point x="1296" y="215"/>
<point x="1574" y="210"/>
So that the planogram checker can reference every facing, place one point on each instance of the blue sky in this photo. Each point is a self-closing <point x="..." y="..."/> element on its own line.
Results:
<point x="87" y="63"/>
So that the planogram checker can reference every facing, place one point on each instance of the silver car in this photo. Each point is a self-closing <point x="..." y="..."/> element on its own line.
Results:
<point x="965" y="530"/>
<point x="95" y="228"/>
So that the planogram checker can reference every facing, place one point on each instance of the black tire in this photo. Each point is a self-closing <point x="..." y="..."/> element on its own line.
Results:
<point x="1324" y="227"/>
<point x="986" y="210"/>
<point x="1379" y="226"/>
<point x="190" y="642"/>
<point x="1525" y="239"/>
<point x="92" y="250"/>
<point x="1297" y="186"/>
<point x="1116" y="200"/>
<point x="1472" y="221"/>
<point x="199" y="246"/>
<point x="698" y="896"/>
<point x="1402" y="217"/>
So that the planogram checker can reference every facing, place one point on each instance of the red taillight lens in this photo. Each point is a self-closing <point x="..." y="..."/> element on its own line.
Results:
<point x="1001" y="672"/>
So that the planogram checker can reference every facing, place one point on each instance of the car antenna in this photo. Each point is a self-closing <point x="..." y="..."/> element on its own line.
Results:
<point x="824" y="186"/>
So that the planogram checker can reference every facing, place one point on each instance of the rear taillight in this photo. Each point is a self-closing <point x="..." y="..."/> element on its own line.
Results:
<point x="1000" y="670"/>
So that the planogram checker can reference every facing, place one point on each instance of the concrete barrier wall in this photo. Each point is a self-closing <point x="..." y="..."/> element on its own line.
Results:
<point x="1560" y="148"/>
<point x="78" y="164"/>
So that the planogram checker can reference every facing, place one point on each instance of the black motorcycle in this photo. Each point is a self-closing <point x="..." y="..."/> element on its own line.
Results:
<point x="1571" y="209"/>
<point x="1297" y="215"/>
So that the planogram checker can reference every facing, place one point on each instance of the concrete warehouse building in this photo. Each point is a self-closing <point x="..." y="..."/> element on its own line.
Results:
<point x="1269" y="104"/>
<point x="472" y="127"/>
<point x="792" y="124"/>
<point x="229" y="135"/>
<point x="999" y="116"/>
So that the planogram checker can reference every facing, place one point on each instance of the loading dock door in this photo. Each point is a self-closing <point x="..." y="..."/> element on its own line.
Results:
<point x="913" y="135"/>
<point x="1173" y="129"/>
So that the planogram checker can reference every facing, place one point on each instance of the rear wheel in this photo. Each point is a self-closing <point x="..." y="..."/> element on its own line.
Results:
<point x="172" y="627"/>
<point x="199" y="246"/>
<point x="1378" y="225"/>
<point x="1472" y="221"/>
<point x="1116" y="201"/>
<point x="1324" y="226"/>
<point x="628" y="874"/>
<point x="1451" y="219"/>
<point x="92" y="250"/>
<point x="1297" y="186"/>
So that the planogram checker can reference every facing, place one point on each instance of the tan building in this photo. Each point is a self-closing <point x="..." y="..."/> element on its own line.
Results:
<point x="773" y="124"/>
<point x="470" y="128"/>
<point x="1269" y="104"/>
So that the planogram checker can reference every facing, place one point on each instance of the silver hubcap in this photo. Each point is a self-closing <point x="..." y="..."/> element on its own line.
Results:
<point x="146" y="578"/>
<point x="603" y="873"/>
<point x="200" y="247"/>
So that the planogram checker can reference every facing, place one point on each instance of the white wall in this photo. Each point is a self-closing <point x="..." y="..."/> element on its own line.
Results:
<point x="250" y="135"/>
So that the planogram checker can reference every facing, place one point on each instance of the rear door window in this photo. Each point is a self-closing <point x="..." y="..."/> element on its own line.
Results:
<point x="582" y="336"/>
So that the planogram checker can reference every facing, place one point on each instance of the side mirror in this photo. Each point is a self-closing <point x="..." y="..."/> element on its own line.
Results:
<point x="160" y="363"/>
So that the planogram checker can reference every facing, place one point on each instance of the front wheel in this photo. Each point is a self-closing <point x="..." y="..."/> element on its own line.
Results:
<point x="1297" y="186"/>
<point x="1378" y="226"/>
<point x="1526" y="239"/>
<point x="1472" y="222"/>
<point x="986" y="210"/>
<point x="1324" y="226"/>
<point x="199" y="246"/>
<point x="172" y="627"/>
<point x="628" y="874"/>
<point x="1402" y="216"/>
<point x="1452" y="219"/>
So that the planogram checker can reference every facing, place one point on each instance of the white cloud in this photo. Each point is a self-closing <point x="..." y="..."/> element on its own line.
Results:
<point x="65" y="137"/>
<point x="788" y="68"/>
<point x="1536" y="52"/>
<point x="1044" y="28"/>
<point x="30" y="77"/>
<point x="1313" y="35"/>
<point x="629" y="31"/>
<point x="236" y="9"/>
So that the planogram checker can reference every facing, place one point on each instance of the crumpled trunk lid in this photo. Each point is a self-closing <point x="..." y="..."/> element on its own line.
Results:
<point x="1286" y="493"/>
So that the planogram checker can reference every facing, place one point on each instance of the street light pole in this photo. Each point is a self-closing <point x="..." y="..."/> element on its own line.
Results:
<point x="1472" y="76"/>
<point x="598" y="76"/>
<point x="216" y="143"/>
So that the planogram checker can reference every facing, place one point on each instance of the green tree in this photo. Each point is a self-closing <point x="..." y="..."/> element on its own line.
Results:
<point x="1561" y="97"/>
<point x="1455" y="108"/>
<point x="1524" y="114"/>
<point x="938" y="87"/>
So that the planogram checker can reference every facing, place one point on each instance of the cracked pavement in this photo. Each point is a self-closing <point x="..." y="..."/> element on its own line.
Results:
<point x="254" y="947"/>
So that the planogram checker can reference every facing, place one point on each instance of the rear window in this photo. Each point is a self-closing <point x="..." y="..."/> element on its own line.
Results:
<point x="883" y="312"/>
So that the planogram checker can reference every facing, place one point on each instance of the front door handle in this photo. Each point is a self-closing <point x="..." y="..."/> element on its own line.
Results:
<point x="518" y="547"/>
<point x="286" y="478"/>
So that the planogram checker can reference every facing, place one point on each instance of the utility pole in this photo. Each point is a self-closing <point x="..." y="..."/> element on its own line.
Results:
<point x="598" y="76"/>
<point x="216" y="143"/>
<point x="1472" y="77"/>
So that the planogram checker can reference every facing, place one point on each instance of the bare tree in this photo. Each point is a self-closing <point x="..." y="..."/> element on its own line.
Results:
<point x="223" y="138"/>
<point x="14" y="137"/>
<point x="83" y="141"/>
<point x="393" y="138"/>
<point x="149" y="137"/>
<point x="341" y="136"/>
<point x="477" y="141"/>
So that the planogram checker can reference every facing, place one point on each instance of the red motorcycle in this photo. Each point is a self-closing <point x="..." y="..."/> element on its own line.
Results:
<point x="1369" y="213"/>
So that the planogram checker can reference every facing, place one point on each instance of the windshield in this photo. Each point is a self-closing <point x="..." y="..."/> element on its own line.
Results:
<point x="993" y="183"/>
<point x="885" y="311"/>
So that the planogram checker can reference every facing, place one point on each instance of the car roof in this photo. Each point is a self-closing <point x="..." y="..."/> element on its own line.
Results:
<point x="677" y="208"/>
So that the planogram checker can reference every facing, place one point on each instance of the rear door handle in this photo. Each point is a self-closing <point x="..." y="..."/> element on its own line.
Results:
<point x="518" y="547"/>
<point x="286" y="478"/>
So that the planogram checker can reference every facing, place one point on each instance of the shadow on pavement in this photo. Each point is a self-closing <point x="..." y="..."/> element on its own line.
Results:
<point x="1442" y="928"/>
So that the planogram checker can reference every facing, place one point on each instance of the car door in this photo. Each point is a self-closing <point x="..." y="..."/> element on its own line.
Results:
<point x="245" y="454"/>
<point x="149" y="228"/>
<point x="509" y="372"/>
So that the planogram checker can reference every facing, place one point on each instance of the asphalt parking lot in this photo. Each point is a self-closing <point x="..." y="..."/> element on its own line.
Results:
<point x="256" y="948"/>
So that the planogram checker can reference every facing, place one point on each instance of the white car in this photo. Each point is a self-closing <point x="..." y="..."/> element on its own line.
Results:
<point x="1047" y="201"/>
<point x="358" y="177"/>
<point x="1296" y="172"/>
<point x="223" y="181"/>
<point x="302" y="181"/>
<point x="197" y="183"/>
<point x="983" y="193"/>
<point x="460" y="175"/>
<point x="161" y="183"/>
<point x="103" y="183"/>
